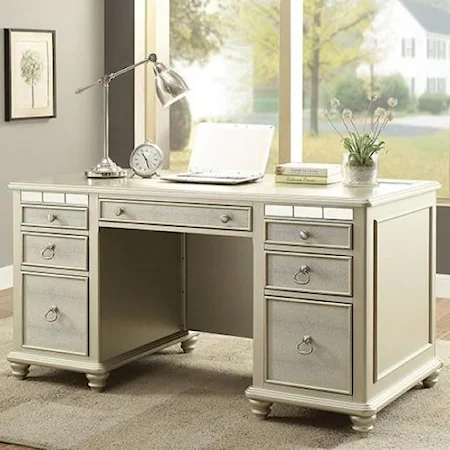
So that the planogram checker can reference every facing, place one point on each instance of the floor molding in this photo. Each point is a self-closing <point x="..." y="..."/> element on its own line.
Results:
<point x="6" y="277"/>
<point x="442" y="286"/>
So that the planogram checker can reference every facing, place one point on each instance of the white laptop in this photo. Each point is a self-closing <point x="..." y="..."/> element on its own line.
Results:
<point x="227" y="153"/>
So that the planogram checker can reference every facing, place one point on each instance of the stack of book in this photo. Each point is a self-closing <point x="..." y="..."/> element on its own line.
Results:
<point x="308" y="173"/>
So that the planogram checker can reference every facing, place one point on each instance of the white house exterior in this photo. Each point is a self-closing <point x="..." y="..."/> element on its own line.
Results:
<point x="410" y="38"/>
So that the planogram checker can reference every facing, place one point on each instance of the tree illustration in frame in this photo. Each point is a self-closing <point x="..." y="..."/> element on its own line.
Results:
<point x="30" y="85"/>
<point x="31" y="67"/>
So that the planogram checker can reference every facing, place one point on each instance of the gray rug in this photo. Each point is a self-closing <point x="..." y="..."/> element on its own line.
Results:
<point x="196" y="401"/>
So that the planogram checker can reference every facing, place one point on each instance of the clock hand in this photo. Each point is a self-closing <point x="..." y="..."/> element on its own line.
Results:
<point x="146" y="161"/>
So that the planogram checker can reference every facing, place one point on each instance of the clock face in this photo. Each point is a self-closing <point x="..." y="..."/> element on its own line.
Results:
<point x="146" y="159"/>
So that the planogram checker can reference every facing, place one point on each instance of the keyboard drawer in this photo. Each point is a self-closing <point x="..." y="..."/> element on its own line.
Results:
<point x="174" y="214"/>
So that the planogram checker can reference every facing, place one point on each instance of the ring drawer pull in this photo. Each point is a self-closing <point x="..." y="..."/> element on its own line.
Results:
<point x="303" y="275"/>
<point x="118" y="211"/>
<point x="225" y="218"/>
<point x="304" y="234"/>
<point x="48" y="252"/>
<point x="52" y="314"/>
<point x="306" y="341"/>
<point x="51" y="217"/>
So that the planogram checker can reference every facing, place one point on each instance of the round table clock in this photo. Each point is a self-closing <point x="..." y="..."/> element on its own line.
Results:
<point x="146" y="159"/>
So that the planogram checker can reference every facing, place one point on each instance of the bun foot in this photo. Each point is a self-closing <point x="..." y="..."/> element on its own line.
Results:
<point x="362" y="425"/>
<point x="189" y="344"/>
<point x="20" y="371"/>
<point x="432" y="379"/>
<point x="260" y="408"/>
<point x="97" y="382"/>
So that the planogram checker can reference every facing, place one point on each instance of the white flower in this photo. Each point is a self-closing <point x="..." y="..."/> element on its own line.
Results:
<point x="392" y="102"/>
<point x="380" y="113"/>
<point x="335" y="103"/>
<point x="347" y="114"/>
<point x="372" y="97"/>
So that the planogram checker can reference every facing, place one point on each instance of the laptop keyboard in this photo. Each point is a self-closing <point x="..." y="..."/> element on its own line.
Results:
<point x="219" y="176"/>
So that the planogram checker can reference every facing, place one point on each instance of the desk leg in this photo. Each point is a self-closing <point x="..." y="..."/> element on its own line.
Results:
<point x="20" y="371"/>
<point x="97" y="382"/>
<point x="260" y="408"/>
<point x="189" y="344"/>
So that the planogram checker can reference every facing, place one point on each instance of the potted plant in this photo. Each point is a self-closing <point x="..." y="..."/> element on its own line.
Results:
<point x="362" y="145"/>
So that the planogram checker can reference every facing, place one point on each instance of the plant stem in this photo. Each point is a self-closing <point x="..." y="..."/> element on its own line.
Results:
<point x="335" y="129"/>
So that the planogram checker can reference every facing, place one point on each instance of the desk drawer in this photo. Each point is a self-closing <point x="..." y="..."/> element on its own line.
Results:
<point x="197" y="216"/>
<point x="321" y="274"/>
<point x="52" y="250"/>
<point x="309" y="345"/>
<point x="51" y="217"/>
<point x="309" y="234"/>
<point x="55" y="313"/>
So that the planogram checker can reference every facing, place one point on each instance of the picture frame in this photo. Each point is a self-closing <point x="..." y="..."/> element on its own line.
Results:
<point x="30" y="74"/>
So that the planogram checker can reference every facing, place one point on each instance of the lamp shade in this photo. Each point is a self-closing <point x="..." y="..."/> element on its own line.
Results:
<point x="170" y="86"/>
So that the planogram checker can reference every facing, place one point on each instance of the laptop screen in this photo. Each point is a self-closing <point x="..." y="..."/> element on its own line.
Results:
<point x="229" y="147"/>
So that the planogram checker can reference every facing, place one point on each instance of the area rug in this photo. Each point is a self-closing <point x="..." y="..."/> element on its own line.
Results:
<point x="196" y="402"/>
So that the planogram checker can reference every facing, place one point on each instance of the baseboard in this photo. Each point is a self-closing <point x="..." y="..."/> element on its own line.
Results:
<point x="6" y="277"/>
<point x="442" y="286"/>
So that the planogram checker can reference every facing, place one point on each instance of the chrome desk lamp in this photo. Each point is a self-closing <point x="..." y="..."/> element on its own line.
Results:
<point x="170" y="87"/>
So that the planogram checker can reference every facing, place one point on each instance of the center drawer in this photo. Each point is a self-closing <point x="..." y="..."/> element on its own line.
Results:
<point x="300" y="272"/>
<point x="55" y="313"/>
<point x="196" y="216"/>
<point x="56" y="251"/>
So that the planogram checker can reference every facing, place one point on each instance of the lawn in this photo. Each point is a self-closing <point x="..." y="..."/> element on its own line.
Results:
<point x="419" y="157"/>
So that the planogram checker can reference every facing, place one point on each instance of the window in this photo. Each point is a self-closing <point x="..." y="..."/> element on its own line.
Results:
<point x="228" y="53"/>
<point x="351" y="56"/>
<point x="431" y="48"/>
<point x="234" y="77"/>
<point x="431" y="86"/>
<point x="408" y="48"/>
<point x="441" y="86"/>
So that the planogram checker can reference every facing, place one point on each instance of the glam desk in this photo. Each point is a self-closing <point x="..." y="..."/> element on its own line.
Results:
<point x="335" y="285"/>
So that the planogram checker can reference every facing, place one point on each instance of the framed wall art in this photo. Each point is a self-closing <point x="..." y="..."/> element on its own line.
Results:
<point x="30" y="79"/>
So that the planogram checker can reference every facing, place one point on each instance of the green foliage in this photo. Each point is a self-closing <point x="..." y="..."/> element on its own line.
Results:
<point x="259" y="24"/>
<point x="349" y="89"/>
<point x="180" y="125"/>
<point x="361" y="148"/>
<point x="197" y="29"/>
<point x="393" y="86"/>
<point x="434" y="103"/>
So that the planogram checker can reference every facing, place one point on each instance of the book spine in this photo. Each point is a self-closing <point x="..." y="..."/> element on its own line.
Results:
<point x="302" y="179"/>
<point x="303" y="172"/>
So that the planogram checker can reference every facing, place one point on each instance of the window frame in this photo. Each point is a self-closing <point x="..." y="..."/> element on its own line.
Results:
<point x="152" y="35"/>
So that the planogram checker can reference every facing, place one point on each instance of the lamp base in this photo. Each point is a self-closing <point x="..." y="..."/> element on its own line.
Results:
<point x="106" y="168"/>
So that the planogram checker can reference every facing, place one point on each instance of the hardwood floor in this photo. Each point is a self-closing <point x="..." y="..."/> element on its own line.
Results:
<point x="442" y="332"/>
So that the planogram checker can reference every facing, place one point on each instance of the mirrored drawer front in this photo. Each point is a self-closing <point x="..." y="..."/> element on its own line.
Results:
<point x="309" y="273"/>
<point x="50" y="217"/>
<point x="309" y="345"/>
<point x="309" y="234"/>
<point x="55" y="313"/>
<point x="199" y="216"/>
<point x="51" y="250"/>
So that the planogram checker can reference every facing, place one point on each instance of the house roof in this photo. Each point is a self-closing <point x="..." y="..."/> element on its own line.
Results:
<point x="432" y="18"/>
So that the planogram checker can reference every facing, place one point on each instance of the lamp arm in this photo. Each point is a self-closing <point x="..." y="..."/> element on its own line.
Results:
<point x="107" y="78"/>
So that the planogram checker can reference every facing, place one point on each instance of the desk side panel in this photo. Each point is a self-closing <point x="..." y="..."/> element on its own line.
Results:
<point x="140" y="288"/>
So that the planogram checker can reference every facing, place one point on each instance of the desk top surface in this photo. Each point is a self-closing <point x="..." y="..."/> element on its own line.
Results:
<point x="265" y="190"/>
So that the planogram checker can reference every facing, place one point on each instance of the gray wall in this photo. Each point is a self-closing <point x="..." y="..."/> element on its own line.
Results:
<point x="119" y="53"/>
<point x="72" y="141"/>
